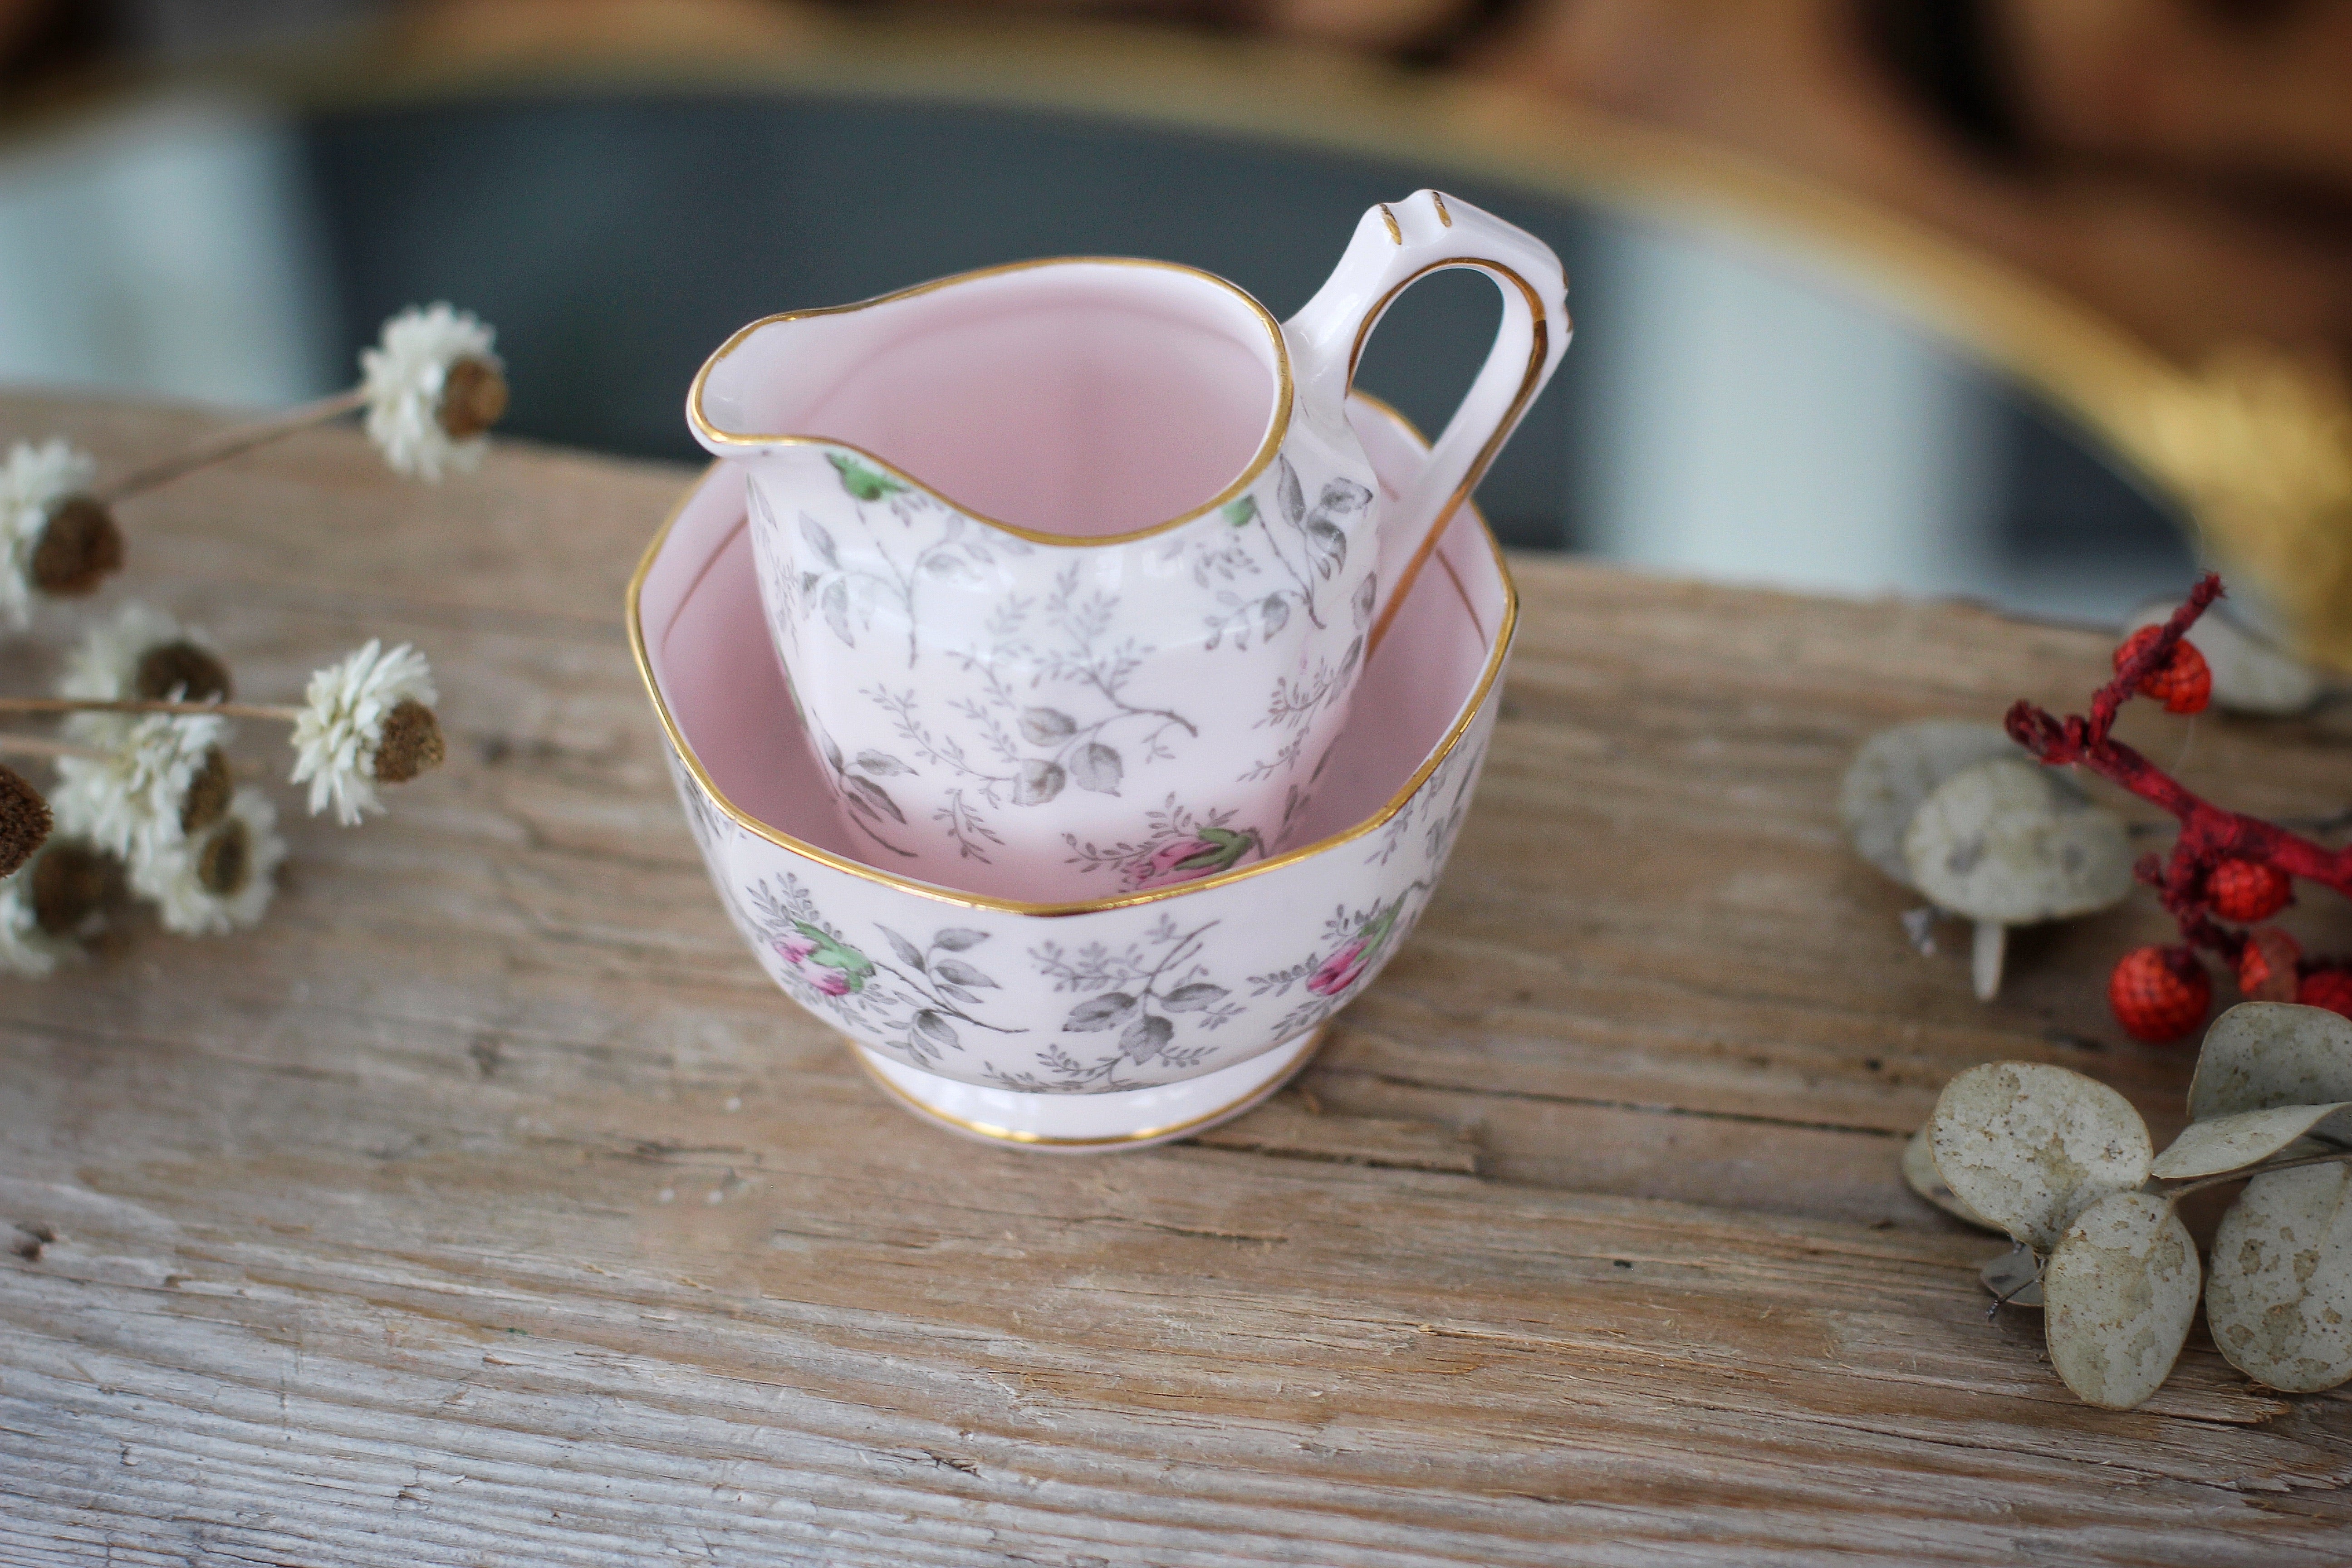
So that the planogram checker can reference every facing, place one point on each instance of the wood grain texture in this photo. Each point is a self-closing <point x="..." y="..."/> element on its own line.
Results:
<point x="488" y="1207"/>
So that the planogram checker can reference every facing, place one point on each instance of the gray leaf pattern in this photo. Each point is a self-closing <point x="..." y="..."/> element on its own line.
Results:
<point x="1047" y="701"/>
<point x="1146" y="1000"/>
<point x="1096" y="767"/>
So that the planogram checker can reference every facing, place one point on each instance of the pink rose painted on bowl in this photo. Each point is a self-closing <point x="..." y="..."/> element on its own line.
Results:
<point x="1347" y="966"/>
<point x="1339" y="971"/>
<point x="833" y="965"/>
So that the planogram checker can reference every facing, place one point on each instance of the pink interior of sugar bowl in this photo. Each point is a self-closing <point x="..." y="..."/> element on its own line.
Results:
<point x="707" y="644"/>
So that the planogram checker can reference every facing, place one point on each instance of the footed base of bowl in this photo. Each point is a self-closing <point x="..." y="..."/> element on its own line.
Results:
<point x="1091" y="1123"/>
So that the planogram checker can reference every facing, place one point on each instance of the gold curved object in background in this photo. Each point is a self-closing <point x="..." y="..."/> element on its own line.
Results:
<point x="2262" y="442"/>
<point x="2256" y="449"/>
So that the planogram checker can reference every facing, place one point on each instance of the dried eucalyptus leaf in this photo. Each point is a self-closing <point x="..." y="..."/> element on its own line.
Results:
<point x="2029" y="1146"/>
<point x="2233" y="1142"/>
<point x="1898" y="768"/>
<point x="2012" y="841"/>
<point x="2014" y="1277"/>
<point x="1920" y="1173"/>
<point x="2263" y="1054"/>
<point x="2118" y="1296"/>
<point x="2280" y="1303"/>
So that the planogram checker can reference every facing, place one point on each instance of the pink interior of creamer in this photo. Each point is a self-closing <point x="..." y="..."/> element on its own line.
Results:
<point x="708" y="643"/>
<point x="1080" y="399"/>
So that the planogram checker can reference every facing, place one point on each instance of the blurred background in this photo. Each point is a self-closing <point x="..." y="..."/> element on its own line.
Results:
<point x="2042" y="301"/>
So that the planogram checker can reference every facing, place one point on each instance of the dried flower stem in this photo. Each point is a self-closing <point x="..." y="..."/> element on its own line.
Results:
<point x="229" y="442"/>
<point x="2209" y="835"/>
<point x="46" y="746"/>
<point x="280" y="712"/>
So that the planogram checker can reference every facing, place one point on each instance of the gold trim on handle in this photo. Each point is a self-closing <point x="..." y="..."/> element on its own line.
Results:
<point x="1537" y="351"/>
<point x="1498" y="652"/>
<point x="1277" y="427"/>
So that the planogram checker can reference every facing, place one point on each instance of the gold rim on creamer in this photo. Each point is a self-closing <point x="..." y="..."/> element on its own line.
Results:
<point x="1317" y="1038"/>
<point x="1276" y="429"/>
<point x="1498" y="650"/>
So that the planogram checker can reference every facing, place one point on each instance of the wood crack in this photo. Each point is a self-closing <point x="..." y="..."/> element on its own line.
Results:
<point x="1639" y="1108"/>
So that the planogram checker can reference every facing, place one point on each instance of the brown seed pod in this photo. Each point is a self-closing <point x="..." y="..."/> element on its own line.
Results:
<point x="181" y="669"/>
<point x="226" y="860"/>
<point x="206" y="801"/>
<point x="79" y="547"/>
<point x="72" y="883"/>
<point x="473" y="398"/>
<point x="25" y="820"/>
<point x="411" y="744"/>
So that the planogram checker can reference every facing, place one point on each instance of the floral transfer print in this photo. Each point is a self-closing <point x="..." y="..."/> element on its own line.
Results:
<point x="834" y="968"/>
<point x="1179" y="847"/>
<point x="1320" y="546"/>
<point x="1105" y="1000"/>
<point x="1138" y="993"/>
<point x="925" y="1005"/>
<point x="1355" y="944"/>
<point x="1055" y="731"/>
<point x="711" y="827"/>
<point x="1429" y="821"/>
<point x="847" y="593"/>
<point x="1212" y="850"/>
<point x="1317" y="549"/>
<point x="1340" y="972"/>
<point x="857" y="782"/>
<point x="954" y="675"/>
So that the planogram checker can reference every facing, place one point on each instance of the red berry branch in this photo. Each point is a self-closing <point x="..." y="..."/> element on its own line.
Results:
<point x="2225" y="866"/>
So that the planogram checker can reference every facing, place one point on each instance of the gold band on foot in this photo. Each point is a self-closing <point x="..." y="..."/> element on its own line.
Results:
<point x="1018" y="1138"/>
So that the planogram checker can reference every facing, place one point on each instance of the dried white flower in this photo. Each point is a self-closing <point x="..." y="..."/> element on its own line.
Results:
<point x="25" y="948"/>
<point x="348" y="710"/>
<point x="105" y="664"/>
<point x="55" y="901"/>
<point x="216" y="881"/>
<point x="138" y="652"/>
<point x="138" y="800"/>
<point x="32" y="483"/>
<point x="433" y="386"/>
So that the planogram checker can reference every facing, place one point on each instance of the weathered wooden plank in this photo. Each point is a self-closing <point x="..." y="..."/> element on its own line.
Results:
<point x="1173" y="1350"/>
<point x="488" y="1206"/>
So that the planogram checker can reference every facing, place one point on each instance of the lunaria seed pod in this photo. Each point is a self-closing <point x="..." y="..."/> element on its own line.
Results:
<point x="1898" y="768"/>
<point x="2010" y="843"/>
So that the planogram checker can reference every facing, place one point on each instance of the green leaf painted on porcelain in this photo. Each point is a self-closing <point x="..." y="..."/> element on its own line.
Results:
<point x="865" y="483"/>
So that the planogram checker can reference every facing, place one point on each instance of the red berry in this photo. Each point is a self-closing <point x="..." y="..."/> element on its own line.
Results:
<point x="2159" y="992"/>
<point x="2184" y="683"/>
<point x="2266" y="965"/>
<point x="2328" y="989"/>
<point x="2248" y="890"/>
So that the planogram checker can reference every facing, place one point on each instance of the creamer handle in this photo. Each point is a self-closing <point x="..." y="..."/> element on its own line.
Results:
<point x="1395" y="246"/>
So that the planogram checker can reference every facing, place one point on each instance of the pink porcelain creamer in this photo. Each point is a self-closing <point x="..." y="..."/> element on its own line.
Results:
<point x="1107" y="641"/>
